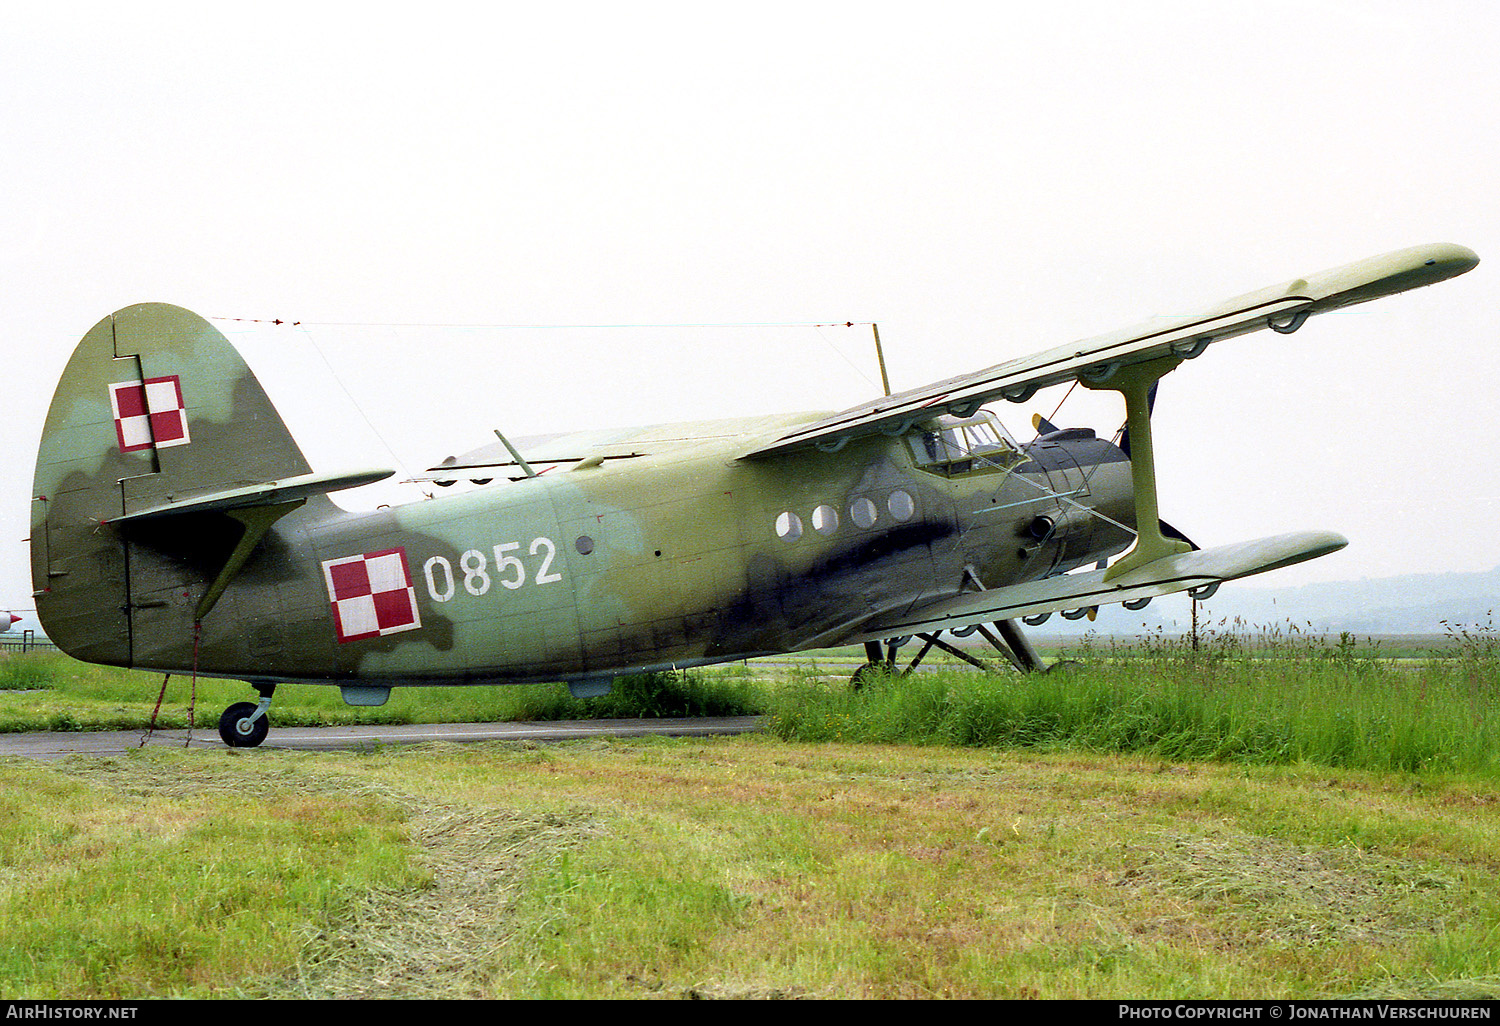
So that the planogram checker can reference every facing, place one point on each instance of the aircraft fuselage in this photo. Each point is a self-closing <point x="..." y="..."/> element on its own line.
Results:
<point x="684" y="557"/>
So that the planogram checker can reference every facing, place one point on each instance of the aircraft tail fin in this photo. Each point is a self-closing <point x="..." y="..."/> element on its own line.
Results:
<point x="154" y="410"/>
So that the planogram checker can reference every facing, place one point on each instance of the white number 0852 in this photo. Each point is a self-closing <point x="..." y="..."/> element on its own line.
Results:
<point x="477" y="575"/>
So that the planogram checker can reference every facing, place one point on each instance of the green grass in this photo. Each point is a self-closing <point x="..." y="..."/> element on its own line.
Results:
<point x="740" y="867"/>
<point x="1266" y="699"/>
<point x="111" y="892"/>
<point x="50" y="691"/>
<point x="1434" y="718"/>
<point x="1272" y="697"/>
<point x="1257" y="817"/>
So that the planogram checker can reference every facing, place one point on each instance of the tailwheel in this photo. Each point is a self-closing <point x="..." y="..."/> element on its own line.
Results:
<point x="245" y="724"/>
<point x="241" y="728"/>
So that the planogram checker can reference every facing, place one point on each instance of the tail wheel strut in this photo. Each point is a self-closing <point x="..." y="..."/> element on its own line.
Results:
<point x="244" y="724"/>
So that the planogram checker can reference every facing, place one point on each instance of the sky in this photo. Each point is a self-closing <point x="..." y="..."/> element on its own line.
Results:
<point x="546" y="217"/>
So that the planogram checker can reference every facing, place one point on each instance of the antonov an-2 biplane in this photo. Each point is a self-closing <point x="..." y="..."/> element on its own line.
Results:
<point x="177" y="527"/>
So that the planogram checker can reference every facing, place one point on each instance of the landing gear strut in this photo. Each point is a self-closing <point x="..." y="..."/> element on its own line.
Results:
<point x="1009" y="642"/>
<point x="244" y="724"/>
<point x="880" y="664"/>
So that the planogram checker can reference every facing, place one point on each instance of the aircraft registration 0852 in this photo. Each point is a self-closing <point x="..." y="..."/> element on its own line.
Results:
<point x="177" y="526"/>
<point x="510" y="572"/>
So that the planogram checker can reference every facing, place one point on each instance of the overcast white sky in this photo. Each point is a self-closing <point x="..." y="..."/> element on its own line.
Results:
<point x="982" y="181"/>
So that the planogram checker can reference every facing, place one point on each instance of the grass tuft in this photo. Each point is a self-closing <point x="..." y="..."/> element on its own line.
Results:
<point x="1269" y="699"/>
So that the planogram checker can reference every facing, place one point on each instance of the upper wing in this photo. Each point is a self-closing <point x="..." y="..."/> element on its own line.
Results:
<point x="1164" y="576"/>
<point x="1282" y="307"/>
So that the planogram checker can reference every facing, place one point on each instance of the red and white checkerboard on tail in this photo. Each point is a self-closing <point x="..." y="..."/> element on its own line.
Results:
<point x="372" y="595"/>
<point x="150" y="412"/>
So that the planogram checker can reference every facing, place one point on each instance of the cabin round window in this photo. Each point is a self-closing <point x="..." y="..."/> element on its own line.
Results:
<point x="825" y="519"/>
<point x="789" y="527"/>
<point x="862" y="512"/>
<point x="584" y="545"/>
<point x="901" y="505"/>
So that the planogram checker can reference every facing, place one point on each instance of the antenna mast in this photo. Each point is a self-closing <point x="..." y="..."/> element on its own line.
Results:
<point x="885" y="381"/>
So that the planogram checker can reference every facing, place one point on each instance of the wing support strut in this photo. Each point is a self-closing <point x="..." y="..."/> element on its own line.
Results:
<point x="515" y="455"/>
<point x="1012" y="642"/>
<point x="1134" y="382"/>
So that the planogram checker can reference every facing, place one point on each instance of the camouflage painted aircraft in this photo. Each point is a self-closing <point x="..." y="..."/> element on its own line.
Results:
<point x="177" y="527"/>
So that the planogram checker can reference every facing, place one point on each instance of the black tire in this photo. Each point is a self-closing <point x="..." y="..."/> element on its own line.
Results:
<point x="236" y="732"/>
<point x="868" y="672"/>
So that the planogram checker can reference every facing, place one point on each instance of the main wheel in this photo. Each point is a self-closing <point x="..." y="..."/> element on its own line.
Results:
<point x="238" y="730"/>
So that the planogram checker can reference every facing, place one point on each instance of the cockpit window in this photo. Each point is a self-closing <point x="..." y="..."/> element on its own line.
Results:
<point x="952" y="445"/>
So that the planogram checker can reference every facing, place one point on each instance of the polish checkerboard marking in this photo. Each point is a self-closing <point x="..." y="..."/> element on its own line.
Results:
<point x="149" y="413"/>
<point x="371" y="595"/>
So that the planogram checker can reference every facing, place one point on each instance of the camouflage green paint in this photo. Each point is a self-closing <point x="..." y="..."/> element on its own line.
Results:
<point x="671" y="558"/>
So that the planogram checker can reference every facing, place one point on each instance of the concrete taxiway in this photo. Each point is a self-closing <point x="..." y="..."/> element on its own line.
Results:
<point x="53" y="745"/>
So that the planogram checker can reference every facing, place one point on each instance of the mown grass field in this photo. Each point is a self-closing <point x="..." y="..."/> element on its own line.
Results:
<point x="1298" y="820"/>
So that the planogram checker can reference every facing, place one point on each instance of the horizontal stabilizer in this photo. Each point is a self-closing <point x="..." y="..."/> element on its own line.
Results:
<point x="264" y="493"/>
<point x="1165" y="576"/>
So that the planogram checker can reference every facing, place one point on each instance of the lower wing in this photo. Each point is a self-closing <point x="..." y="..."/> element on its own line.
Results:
<point x="1165" y="576"/>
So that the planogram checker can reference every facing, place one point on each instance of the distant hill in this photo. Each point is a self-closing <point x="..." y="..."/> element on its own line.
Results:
<point x="1409" y="604"/>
